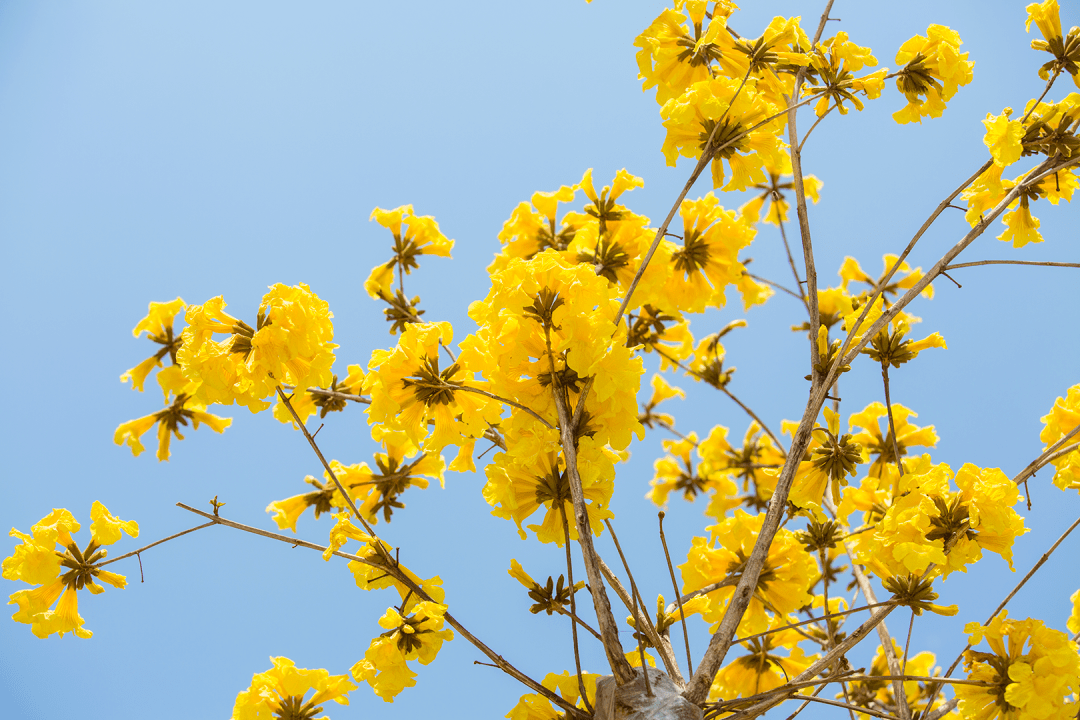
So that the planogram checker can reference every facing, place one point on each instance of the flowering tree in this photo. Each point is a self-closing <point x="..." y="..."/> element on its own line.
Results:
<point x="815" y="534"/>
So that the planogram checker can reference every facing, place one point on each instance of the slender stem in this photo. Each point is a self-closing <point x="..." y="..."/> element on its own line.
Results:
<point x="417" y="590"/>
<point x="678" y="598"/>
<point x="879" y="289"/>
<point x="778" y="286"/>
<point x="807" y="135"/>
<point x="642" y="620"/>
<point x="571" y="614"/>
<point x="907" y="643"/>
<point x="791" y="263"/>
<point x="147" y="547"/>
<point x="333" y="394"/>
<point x="808" y="621"/>
<point x="837" y="703"/>
<point x="892" y="423"/>
<point x="329" y="471"/>
<point x="740" y="403"/>
<point x="662" y="644"/>
<point x="573" y="608"/>
<point x="1046" y="456"/>
<point x="1013" y="262"/>
<point x="501" y="399"/>
<point x="825" y="592"/>
<point x="1049" y="84"/>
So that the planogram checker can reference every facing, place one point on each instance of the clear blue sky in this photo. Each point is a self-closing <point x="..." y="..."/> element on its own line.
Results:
<point x="150" y="150"/>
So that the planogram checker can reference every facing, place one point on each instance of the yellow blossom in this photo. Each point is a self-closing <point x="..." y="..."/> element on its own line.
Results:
<point x="158" y="326"/>
<point x="416" y="636"/>
<point x="933" y="69"/>
<point x="1063" y="419"/>
<point x="60" y="575"/>
<point x="281" y="692"/>
<point x="1031" y="671"/>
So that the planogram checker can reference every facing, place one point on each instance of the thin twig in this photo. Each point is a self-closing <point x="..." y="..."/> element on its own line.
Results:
<point x="678" y="598"/>
<point x="642" y="621"/>
<point x="740" y="403"/>
<point x="1047" y="455"/>
<point x="778" y="286"/>
<point x="163" y="540"/>
<point x="892" y="423"/>
<point x="330" y="472"/>
<point x="573" y="608"/>
<point x="1013" y="262"/>
<point x="791" y="263"/>
<point x="662" y="644"/>
<point x="419" y="591"/>
<point x="501" y="399"/>
<point x="335" y="394"/>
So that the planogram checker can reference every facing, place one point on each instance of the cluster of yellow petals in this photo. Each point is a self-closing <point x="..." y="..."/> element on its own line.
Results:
<point x="158" y="326"/>
<point x="928" y="524"/>
<point x="534" y="706"/>
<point x="282" y="691"/>
<point x="291" y="344"/>
<point x="410" y="394"/>
<point x="1032" y="672"/>
<point x="1062" y="420"/>
<point x="181" y="407"/>
<point x="59" y="575"/>
<point x="784" y="583"/>
<point x="416" y="636"/>
<point x="421" y="237"/>
<point x="882" y="693"/>
<point x="934" y="69"/>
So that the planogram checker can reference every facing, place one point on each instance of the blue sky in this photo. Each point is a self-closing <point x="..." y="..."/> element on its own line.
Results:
<point x="156" y="150"/>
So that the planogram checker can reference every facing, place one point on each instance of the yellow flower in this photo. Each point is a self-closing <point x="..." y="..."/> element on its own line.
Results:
<point x="1060" y="421"/>
<point x="1066" y="50"/>
<point x="1032" y="671"/>
<point x="417" y="636"/>
<point x="751" y="463"/>
<point x="547" y="326"/>
<point x="833" y="78"/>
<point x="904" y="279"/>
<point x="60" y="575"/>
<point x="928" y="524"/>
<point x="716" y="108"/>
<point x="519" y="485"/>
<point x="879" y="442"/>
<point x="671" y="59"/>
<point x="832" y="457"/>
<point x="1074" y="620"/>
<point x="661" y="392"/>
<point x="536" y="707"/>
<point x="533" y="228"/>
<point x="158" y="326"/>
<point x="934" y="68"/>
<point x="290" y="344"/>
<point x="784" y="582"/>
<point x="181" y="406"/>
<point x="281" y="692"/>
<point x="421" y="237"/>
<point x="1003" y="137"/>
<point x="772" y="191"/>
<point x="708" y="261"/>
<point x="409" y="392"/>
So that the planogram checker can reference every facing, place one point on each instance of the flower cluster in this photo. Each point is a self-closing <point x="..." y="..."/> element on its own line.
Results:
<point x="1062" y="420"/>
<point x="714" y="566"/>
<point x="933" y="70"/>
<point x="927" y="524"/>
<point x="1031" y="671"/>
<point x="290" y="344"/>
<point x="415" y="636"/>
<point x="281" y="692"/>
<point x="58" y="574"/>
